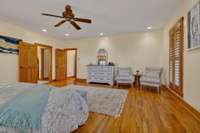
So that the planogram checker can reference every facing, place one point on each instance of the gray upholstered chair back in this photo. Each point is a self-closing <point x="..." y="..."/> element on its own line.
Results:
<point x="155" y="70"/>
<point x="126" y="71"/>
<point x="152" y="77"/>
<point x="124" y="75"/>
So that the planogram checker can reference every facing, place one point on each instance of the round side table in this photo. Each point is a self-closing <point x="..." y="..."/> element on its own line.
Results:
<point x="137" y="80"/>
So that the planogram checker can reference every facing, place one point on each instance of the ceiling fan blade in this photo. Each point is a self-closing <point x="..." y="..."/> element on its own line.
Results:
<point x="60" y="23"/>
<point x="83" y="20"/>
<point x="75" y="25"/>
<point x="50" y="15"/>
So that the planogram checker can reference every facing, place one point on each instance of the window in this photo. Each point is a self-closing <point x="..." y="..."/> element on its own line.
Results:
<point x="176" y="48"/>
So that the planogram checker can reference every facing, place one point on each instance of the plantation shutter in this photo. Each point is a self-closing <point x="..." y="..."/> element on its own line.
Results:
<point x="176" y="57"/>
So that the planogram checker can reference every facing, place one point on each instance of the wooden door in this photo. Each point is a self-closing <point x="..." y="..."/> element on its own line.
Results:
<point x="61" y="64"/>
<point x="28" y="66"/>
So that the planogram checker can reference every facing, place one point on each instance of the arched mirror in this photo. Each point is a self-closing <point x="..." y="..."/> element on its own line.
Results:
<point x="102" y="56"/>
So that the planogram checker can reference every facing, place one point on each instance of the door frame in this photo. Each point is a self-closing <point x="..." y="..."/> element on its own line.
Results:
<point x="76" y="60"/>
<point x="50" y="65"/>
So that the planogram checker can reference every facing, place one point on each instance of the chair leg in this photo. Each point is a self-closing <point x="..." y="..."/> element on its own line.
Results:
<point x="158" y="89"/>
<point x="141" y="87"/>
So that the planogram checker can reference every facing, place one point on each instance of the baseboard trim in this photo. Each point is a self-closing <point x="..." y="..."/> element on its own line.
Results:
<point x="189" y="107"/>
<point x="53" y="80"/>
<point x="81" y="80"/>
<point x="71" y="77"/>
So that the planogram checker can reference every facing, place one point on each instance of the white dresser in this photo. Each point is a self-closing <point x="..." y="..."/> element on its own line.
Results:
<point x="100" y="74"/>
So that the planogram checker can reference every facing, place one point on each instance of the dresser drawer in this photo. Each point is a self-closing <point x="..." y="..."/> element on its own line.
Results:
<point x="100" y="74"/>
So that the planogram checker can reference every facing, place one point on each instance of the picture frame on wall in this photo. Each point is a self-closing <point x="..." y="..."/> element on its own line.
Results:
<point x="9" y="45"/>
<point x="194" y="27"/>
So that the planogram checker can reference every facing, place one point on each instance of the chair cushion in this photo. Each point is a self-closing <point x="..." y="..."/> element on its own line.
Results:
<point x="152" y="74"/>
<point x="124" y="77"/>
<point x="124" y="73"/>
<point x="150" y="79"/>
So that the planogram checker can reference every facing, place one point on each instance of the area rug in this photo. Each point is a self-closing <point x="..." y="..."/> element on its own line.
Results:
<point x="106" y="101"/>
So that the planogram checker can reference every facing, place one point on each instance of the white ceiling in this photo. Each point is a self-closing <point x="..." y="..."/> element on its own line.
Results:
<point x="109" y="16"/>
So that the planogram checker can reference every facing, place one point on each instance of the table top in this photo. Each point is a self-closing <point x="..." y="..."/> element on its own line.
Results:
<point x="137" y="75"/>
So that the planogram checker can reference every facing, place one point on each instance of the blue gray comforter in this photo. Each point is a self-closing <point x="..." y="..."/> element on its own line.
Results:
<point x="24" y="110"/>
<point x="40" y="109"/>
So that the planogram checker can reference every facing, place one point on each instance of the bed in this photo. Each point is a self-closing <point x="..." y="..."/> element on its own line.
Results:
<point x="30" y="108"/>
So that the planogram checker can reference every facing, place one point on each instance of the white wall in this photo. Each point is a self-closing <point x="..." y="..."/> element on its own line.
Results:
<point x="191" y="58"/>
<point x="46" y="62"/>
<point x="71" y="63"/>
<point x="9" y="62"/>
<point x="8" y="67"/>
<point x="136" y="50"/>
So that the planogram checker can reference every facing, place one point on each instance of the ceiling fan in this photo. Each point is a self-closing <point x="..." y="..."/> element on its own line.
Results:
<point x="68" y="15"/>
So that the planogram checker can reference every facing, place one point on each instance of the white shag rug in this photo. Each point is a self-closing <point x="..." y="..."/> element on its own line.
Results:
<point x="106" y="101"/>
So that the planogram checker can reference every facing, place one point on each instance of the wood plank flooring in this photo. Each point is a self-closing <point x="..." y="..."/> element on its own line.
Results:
<point x="145" y="111"/>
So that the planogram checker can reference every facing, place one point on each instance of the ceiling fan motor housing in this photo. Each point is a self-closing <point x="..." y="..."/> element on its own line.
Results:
<point x="68" y="15"/>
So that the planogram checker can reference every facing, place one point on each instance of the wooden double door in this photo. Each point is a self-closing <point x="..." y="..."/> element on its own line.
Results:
<point x="28" y="63"/>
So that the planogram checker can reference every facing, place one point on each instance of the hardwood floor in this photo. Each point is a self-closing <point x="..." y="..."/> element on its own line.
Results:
<point x="145" y="111"/>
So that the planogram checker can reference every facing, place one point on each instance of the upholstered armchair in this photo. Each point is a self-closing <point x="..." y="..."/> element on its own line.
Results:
<point x="152" y="77"/>
<point x="124" y="76"/>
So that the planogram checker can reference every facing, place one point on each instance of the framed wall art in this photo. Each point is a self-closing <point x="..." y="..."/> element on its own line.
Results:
<point x="194" y="27"/>
<point x="9" y="45"/>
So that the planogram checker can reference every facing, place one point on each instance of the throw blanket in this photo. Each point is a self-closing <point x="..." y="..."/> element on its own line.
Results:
<point x="65" y="111"/>
<point x="25" y="109"/>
